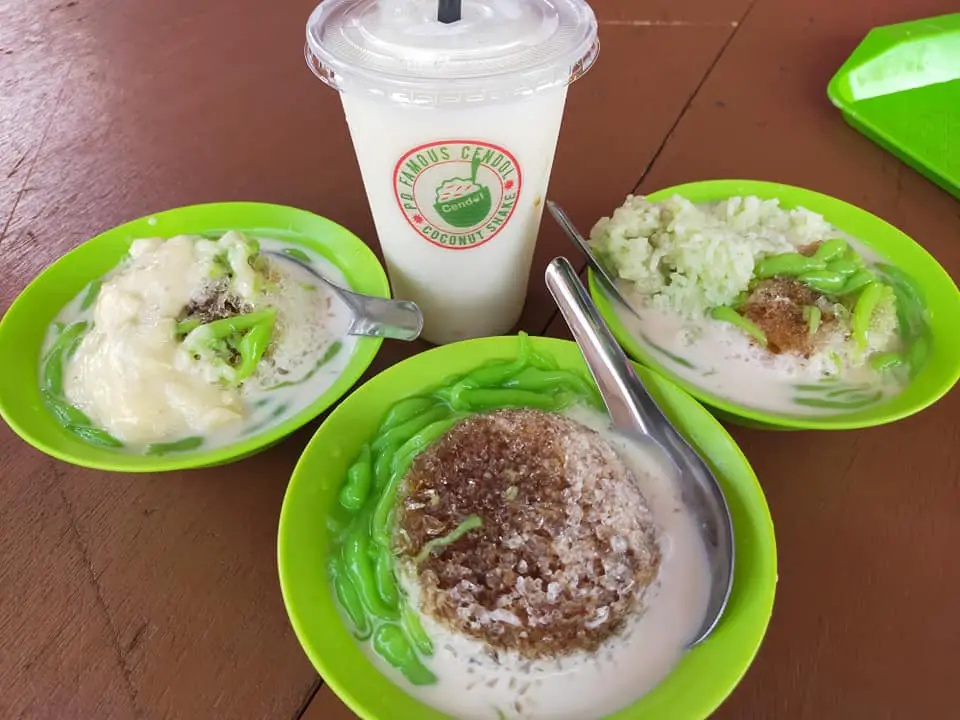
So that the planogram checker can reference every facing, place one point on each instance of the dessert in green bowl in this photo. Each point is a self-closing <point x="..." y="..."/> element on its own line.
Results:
<point x="465" y="536"/>
<point x="777" y="306"/>
<point x="188" y="338"/>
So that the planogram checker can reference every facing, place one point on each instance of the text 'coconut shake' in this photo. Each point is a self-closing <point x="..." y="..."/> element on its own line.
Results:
<point x="455" y="127"/>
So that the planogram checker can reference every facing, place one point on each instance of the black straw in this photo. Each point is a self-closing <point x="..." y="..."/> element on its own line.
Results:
<point x="448" y="11"/>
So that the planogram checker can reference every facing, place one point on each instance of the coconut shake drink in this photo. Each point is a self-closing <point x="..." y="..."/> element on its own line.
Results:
<point x="455" y="125"/>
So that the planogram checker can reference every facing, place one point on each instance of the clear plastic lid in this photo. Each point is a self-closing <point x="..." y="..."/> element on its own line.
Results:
<point x="499" y="49"/>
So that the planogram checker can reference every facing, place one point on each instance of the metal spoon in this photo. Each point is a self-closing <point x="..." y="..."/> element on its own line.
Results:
<point x="371" y="316"/>
<point x="609" y="284"/>
<point x="636" y="415"/>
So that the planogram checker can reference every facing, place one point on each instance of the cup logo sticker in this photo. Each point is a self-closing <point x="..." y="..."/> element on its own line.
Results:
<point x="457" y="194"/>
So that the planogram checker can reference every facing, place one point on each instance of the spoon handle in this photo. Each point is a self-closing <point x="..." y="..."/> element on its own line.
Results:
<point x="629" y="404"/>
<point x="600" y="272"/>
<point x="632" y="409"/>
<point x="570" y="230"/>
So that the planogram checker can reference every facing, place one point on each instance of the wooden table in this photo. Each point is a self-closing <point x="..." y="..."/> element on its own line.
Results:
<point x="157" y="596"/>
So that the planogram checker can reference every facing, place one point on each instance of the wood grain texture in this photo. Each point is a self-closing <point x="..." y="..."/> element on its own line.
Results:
<point x="59" y="654"/>
<point x="326" y="706"/>
<point x="157" y="596"/>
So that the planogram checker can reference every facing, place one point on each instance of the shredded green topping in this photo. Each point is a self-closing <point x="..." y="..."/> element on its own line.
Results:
<point x="70" y="418"/>
<point x="471" y="523"/>
<point x="233" y="346"/>
<point x="813" y="316"/>
<point x="729" y="315"/>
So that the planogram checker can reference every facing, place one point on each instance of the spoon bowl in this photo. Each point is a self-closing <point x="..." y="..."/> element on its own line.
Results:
<point x="371" y="316"/>
<point x="636" y="415"/>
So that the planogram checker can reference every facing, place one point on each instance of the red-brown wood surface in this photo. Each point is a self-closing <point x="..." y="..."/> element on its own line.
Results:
<point x="156" y="596"/>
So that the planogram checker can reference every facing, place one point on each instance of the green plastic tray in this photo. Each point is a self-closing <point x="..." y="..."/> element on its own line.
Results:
<point x="901" y="88"/>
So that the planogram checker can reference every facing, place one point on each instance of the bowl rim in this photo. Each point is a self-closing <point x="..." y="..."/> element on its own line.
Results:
<point x="294" y="230"/>
<point x="720" y="189"/>
<point x="758" y="582"/>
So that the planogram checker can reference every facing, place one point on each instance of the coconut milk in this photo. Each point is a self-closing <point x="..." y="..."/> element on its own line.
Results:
<point x="720" y="359"/>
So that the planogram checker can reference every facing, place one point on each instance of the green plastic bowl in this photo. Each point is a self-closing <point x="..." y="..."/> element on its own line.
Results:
<point x="24" y="325"/>
<point x="942" y="299"/>
<point x="696" y="687"/>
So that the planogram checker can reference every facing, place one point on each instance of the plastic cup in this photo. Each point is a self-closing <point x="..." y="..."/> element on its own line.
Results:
<point x="455" y="128"/>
